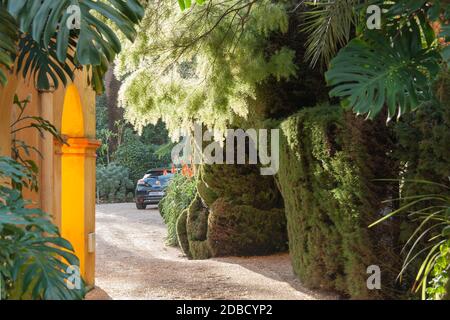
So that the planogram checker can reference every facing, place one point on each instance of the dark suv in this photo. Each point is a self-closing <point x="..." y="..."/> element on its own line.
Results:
<point x="151" y="188"/>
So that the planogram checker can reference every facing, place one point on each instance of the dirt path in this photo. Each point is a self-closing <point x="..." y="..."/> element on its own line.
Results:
<point x="133" y="263"/>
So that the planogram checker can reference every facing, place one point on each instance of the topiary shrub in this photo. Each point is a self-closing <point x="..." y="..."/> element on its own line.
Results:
<point x="191" y="230"/>
<point x="233" y="216"/>
<point x="182" y="236"/>
<point x="196" y="229"/>
<point x="199" y="250"/>
<point x="113" y="183"/>
<point x="179" y="195"/>
<point x="241" y="184"/>
<point x="206" y="193"/>
<point x="328" y="162"/>
<point x="197" y="220"/>
<point x="244" y="230"/>
<point x="423" y="152"/>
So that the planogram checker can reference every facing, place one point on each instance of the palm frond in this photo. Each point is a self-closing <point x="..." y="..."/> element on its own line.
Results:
<point x="328" y="25"/>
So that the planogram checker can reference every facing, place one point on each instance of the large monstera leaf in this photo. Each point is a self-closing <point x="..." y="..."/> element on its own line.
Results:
<point x="378" y="70"/>
<point x="33" y="256"/>
<point x="8" y="36"/>
<point x="95" y="43"/>
<point x="42" y="64"/>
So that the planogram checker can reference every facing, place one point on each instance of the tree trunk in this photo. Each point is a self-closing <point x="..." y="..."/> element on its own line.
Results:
<point x="115" y="113"/>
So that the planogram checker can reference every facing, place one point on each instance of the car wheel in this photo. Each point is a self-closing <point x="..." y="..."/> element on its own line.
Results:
<point x="140" y="206"/>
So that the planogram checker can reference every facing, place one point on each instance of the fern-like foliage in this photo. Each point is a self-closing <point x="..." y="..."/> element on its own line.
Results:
<point x="204" y="64"/>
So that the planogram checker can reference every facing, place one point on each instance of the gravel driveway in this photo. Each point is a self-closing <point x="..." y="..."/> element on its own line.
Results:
<point x="134" y="263"/>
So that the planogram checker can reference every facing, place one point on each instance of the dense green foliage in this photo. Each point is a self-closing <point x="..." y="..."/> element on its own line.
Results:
<point x="245" y="230"/>
<point x="137" y="153"/>
<point x="229" y="217"/>
<point x="244" y="63"/>
<point x="34" y="259"/>
<point x="197" y="228"/>
<point x="138" y="157"/>
<point x="114" y="184"/>
<point x="236" y="56"/>
<point x="423" y="141"/>
<point x="328" y="162"/>
<point x="179" y="195"/>
<point x="49" y="51"/>
<point x="424" y="157"/>
<point x="396" y="65"/>
<point x="237" y="183"/>
<point x="433" y="232"/>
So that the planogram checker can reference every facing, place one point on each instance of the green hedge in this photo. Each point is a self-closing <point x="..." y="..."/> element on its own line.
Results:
<point x="179" y="194"/>
<point x="328" y="162"/>
<point x="246" y="211"/>
<point x="137" y="156"/>
<point x="236" y="212"/>
<point x="197" y="220"/>
<point x="192" y="230"/>
<point x="182" y="236"/>
<point x="245" y="230"/>
<point x="423" y="152"/>
<point x="114" y="184"/>
<point x="241" y="184"/>
<point x="424" y="145"/>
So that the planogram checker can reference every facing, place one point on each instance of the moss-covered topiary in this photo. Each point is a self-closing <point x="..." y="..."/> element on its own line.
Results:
<point x="182" y="233"/>
<point x="328" y="162"/>
<point x="241" y="184"/>
<point x="206" y="193"/>
<point x="243" y="230"/>
<point x="199" y="250"/>
<point x="197" y="220"/>
<point x="237" y="211"/>
<point x="196" y="229"/>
